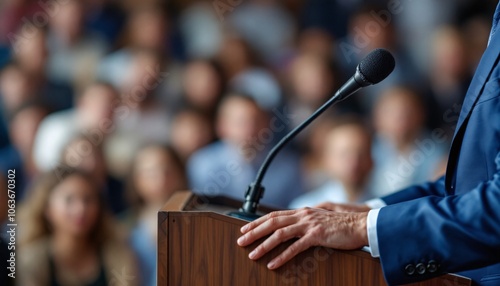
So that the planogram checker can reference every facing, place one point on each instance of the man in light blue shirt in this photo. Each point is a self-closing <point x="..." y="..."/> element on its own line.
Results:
<point x="228" y="166"/>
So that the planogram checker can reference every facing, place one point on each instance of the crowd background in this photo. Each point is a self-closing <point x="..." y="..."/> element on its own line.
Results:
<point x="108" y="107"/>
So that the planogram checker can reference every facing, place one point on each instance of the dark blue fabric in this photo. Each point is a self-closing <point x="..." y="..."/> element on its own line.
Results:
<point x="454" y="221"/>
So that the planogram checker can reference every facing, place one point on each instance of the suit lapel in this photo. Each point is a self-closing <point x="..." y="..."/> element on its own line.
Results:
<point x="481" y="75"/>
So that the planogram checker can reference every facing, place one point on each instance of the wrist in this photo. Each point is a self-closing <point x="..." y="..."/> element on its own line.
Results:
<point x="361" y="228"/>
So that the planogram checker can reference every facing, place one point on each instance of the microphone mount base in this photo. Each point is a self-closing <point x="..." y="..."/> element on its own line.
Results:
<point x="244" y="215"/>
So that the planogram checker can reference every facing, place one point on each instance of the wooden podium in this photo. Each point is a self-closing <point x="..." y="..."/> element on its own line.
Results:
<point x="197" y="246"/>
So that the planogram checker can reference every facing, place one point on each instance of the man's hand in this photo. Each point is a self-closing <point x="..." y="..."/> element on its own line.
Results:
<point x="313" y="227"/>
<point x="343" y="208"/>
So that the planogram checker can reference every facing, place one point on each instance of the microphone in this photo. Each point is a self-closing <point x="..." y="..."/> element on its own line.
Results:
<point x="374" y="68"/>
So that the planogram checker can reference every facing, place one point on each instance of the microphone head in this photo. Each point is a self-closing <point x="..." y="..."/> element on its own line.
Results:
<point x="376" y="66"/>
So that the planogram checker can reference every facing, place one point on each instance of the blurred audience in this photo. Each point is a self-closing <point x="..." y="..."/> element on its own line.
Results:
<point x="92" y="116"/>
<point x="141" y="118"/>
<point x="157" y="172"/>
<point x="449" y="76"/>
<point x="32" y="58"/>
<point x="74" y="52"/>
<point x="18" y="156"/>
<point x="228" y="166"/>
<point x="405" y="153"/>
<point x="84" y="154"/>
<point x="347" y="161"/>
<point x="265" y="25"/>
<point x="15" y="88"/>
<point x="203" y="85"/>
<point x="191" y="130"/>
<point x="103" y="85"/>
<point x="114" y="68"/>
<point x="67" y="237"/>
<point x="368" y="31"/>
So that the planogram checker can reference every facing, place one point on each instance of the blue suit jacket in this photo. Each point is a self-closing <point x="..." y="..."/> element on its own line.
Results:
<point x="453" y="224"/>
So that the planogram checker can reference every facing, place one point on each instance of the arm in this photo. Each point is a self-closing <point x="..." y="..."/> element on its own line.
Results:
<point x="436" y="188"/>
<point x="452" y="233"/>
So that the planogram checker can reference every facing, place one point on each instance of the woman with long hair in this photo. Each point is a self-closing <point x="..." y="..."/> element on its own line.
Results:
<point x="67" y="236"/>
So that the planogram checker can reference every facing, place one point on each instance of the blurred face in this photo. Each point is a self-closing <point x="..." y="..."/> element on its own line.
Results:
<point x="190" y="132"/>
<point x="378" y="36"/>
<point x="240" y="121"/>
<point x="32" y="54"/>
<point x="73" y="207"/>
<point x="398" y="116"/>
<point x="348" y="155"/>
<point x="82" y="154"/>
<point x="449" y="53"/>
<point x="201" y="85"/>
<point x="148" y="30"/>
<point x="67" y="23"/>
<point x="316" y="42"/>
<point x="24" y="126"/>
<point x="96" y="105"/>
<point x="14" y="88"/>
<point x="311" y="80"/>
<point x="234" y="56"/>
<point x="156" y="176"/>
<point x="144" y="71"/>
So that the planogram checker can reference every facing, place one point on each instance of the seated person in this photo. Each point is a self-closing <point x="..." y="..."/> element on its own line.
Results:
<point x="228" y="166"/>
<point x="404" y="152"/>
<point x="157" y="172"/>
<point x="93" y="116"/>
<point x="81" y="153"/>
<point x="67" y="237"/>
<point x="348" y="162"/>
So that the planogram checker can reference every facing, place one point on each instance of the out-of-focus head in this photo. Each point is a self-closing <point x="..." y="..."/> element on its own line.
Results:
<point x="476" y="31"/>
<point x="371" y="30"/>
<point x="96" y="104"/>
<point x="449" y="55"/>
<point x="191" y="130"/>
<point x="399" y="115"/>
<point x="83" y="154"/>
<point x="316" y="41"/>
<point x="147" y="28"/>
<point x="202" y="84"/>
<point x="67" y="23"/>
<point x="347" y="152"/>
<point x="143" y="75"/>
<point x="239" y="119"/>
<point x="23" y="126"/>
<point x="311" y="78"/>
<point x="65" y="201"/>
<point x="235" y="55"/>
<point x="31" y="52"/>
<point x="15" y="87"/>
<point x="157" y="172"/>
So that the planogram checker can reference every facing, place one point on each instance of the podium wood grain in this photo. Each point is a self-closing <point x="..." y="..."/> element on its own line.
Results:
<point x="199" y="248"/>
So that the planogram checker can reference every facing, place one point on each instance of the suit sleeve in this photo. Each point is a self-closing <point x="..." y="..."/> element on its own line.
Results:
<point x="436" y="188"/>
<point x="426" y="237"/>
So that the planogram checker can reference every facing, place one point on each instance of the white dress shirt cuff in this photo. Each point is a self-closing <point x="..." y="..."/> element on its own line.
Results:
<point x="375" y="203"/>
<point x="371" y="228"/>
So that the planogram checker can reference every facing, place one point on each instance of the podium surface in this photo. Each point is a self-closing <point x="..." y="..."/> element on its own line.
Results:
<point x="197" y="246"/>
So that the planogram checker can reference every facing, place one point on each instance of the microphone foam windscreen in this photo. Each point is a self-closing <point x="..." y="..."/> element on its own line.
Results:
<point x="377" y="65"/>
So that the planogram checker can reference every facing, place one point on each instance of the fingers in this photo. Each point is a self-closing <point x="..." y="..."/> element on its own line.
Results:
<point x="294" y="249"/>
<point x="273" y="223"/>
<point x="249" y="226"/>
<point x="279" y="236"/>
<point x="326" y="206"/>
